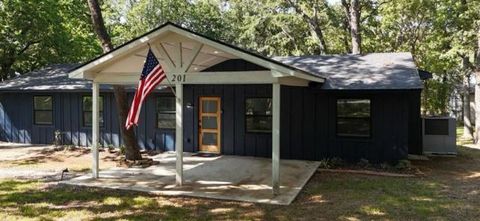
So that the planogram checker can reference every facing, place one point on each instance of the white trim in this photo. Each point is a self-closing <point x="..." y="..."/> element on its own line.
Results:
<point x="164" y="54"/>
<point x="231" y="77"/>
<point x="276" y="138"/>
<point x="179" y="135"/>
<point x="95" y="128"/>
<point x="78" y="73"/>
<point x="246" y="56"/>
<point x="152" y="37"/>
<point x="195" y="51"/>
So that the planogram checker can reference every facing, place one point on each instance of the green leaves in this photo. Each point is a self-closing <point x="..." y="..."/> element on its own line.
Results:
<point x="437" y="32"/>
<point x="36" y="33"/>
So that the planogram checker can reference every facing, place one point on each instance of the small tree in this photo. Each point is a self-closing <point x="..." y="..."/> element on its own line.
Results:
<point x="132" y="151"/>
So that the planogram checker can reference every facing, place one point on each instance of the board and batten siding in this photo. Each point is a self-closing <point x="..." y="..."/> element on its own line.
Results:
<point x="308" y="122"/>
<point x="16" y="121"/>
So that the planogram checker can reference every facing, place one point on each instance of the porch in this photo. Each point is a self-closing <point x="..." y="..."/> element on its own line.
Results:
<point x="224" y="177"/>
<point x="189" y="58"/>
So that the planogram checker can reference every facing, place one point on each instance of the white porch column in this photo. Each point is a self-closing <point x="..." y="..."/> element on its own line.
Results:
<point x="276" y="139"/>
<point x="95" y="128"/>
<point x="179" y="134"/>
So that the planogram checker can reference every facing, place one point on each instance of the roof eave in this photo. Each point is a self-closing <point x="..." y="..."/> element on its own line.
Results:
<point x="81" y="72"/>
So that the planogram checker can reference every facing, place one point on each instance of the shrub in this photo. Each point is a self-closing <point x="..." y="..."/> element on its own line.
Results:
<point x="403" y="164"/>
<point x="122" y="149"/>
<point x="364" y="163"/>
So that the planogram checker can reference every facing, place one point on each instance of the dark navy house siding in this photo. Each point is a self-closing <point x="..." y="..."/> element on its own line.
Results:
<point x="16" y="121"/>
<point x="307" y="122"/>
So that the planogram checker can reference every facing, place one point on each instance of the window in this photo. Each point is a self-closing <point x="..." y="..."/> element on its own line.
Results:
<point x="353" y="117"/>
<point x="258" y="115"/>
<point x="87" y="110"/>
<point x="166" y="112"/>
<point x="43" y="110"/>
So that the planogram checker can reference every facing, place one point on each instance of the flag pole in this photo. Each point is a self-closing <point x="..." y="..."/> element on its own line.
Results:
<point x="166" y="77"/>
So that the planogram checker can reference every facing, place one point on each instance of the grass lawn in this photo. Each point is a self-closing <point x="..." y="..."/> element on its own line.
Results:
<point x="450" y="190"/>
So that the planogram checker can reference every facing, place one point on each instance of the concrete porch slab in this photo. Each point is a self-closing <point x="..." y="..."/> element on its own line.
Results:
<point x="225" y="177"/>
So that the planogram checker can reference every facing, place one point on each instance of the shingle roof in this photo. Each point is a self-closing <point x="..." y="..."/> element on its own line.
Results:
<point x="53" y="77"/>
<point x="351" y="72"/>
<point x="360" y="72"/>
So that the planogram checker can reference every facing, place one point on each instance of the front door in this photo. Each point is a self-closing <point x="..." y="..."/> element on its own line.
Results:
<point x="209" y="123"/>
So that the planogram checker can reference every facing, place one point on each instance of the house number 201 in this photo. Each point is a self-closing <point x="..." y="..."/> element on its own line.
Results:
<point x="178" y="78"/>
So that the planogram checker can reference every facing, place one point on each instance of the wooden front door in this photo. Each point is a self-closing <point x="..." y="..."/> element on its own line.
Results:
<point x="209" y="124"/>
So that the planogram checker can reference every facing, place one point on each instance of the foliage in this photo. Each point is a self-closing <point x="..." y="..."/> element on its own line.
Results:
<point x="403" y="165"/>
<point x="330" y="163"/>
<point x="439" y="33"/>
<point x="35" y="33"/>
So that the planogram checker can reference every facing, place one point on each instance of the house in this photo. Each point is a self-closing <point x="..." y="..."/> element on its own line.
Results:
<point x="227" y="100"/>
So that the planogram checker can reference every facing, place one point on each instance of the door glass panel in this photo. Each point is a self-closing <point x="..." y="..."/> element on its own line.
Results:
<point x="209" y="106"/>
<point x="209" y="139"/>
<point x="209" y="123"/>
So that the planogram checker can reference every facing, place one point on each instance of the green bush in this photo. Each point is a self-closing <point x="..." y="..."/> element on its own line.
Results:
<point x="364" y="163"/>
<point x="403" y="164"/>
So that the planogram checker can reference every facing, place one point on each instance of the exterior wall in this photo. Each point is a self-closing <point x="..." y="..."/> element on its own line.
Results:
<point x="16" y="121"/>
<point x="309" y="125"/>
<point x="308" y="121"/>
<point x="234" y="140"/>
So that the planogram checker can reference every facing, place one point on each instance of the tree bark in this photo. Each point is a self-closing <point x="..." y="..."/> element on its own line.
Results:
<point x="355" y="27"/>
<point x="313" y="25"/>
<point x="477" y="90"/>
<point x="132" y="150"/>
<point x="466" y="114"/>
<point x="467" y="124"/>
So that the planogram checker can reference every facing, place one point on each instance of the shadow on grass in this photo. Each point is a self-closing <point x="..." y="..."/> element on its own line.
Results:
<point x="31" y="199"/>
<point x="447" y="192"/>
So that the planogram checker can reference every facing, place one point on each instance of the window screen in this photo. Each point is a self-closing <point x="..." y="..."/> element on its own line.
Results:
<point x="166" y="112"/>
<point x="353" y="117"/>
<point x="43" y="110"/>
<point x="87" y="110"/>
<point x="258" y="115"/>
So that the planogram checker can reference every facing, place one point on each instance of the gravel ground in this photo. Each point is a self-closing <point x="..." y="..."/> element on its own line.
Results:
<point x="25" y="161"/>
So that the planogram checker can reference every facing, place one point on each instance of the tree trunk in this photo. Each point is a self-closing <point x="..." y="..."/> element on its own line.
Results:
<point x="132" y="151"/>
<point x="317" y="33"/>
<point x="467" y="124"/>
<point x="477" y="90"/>
<point x="313" y="26"/>
<point x="355" y="27"/>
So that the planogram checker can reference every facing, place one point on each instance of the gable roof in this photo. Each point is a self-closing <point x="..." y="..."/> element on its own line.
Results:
<point x="169" y="26"/>
<point x="344" y="72"/>
<point x="351" y="72"/>
<point x="360" y="72"/>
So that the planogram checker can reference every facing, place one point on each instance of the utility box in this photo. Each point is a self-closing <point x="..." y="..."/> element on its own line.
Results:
<point x="439" y="136"/>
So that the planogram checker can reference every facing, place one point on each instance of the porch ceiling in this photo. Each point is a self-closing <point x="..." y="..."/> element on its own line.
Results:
<point x="132" y="63"/>
<point x="181" y="51"/>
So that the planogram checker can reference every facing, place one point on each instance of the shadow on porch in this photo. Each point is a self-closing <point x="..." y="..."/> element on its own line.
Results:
<point x="223" y="177"/>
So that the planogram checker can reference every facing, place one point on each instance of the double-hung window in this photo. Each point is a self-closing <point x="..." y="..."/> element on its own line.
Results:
<point x="353" y="118"/>
<point x="258" y="115"/>
<point x="87" y="110"/>
<point x="166" y="112"/>
<point x="43" y="110"/>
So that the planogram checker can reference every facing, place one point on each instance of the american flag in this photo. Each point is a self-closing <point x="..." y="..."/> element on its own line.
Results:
<point x="152" y="75"/>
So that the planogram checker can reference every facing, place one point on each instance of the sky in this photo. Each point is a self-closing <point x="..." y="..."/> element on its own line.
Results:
<point x="333" y="1"/>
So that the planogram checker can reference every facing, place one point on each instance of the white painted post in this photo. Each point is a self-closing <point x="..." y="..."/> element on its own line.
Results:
<point x="179" y="134"/>
<point x="95" y="128"/>
<point x="276" y="139"/>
